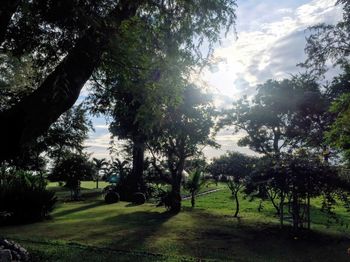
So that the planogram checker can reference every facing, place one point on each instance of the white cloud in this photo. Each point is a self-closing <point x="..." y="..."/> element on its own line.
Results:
<point x="269" y="46"/>
<point x="101" y="126"/>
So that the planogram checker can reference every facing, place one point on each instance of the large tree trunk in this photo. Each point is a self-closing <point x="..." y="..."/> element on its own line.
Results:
<point x="34" y="114"/>
<point x="138" y="159"/>
<point x="176" y="187"/>
<point x="7" y="9"/>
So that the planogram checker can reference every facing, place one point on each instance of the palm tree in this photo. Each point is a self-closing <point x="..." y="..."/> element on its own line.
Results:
<point x="100" y="164"/>
<point x="120" y="167"/>
<point x="194" y="184"/>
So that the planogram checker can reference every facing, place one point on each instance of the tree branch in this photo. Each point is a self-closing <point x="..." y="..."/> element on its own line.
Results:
<point x="32" y="116"/>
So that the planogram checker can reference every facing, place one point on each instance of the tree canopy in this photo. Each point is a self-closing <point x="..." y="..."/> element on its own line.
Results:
<point x="79" y="35"/>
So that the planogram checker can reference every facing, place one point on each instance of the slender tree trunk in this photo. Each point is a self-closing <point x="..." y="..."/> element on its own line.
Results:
<point x="193" y="195"/>
<point x="281" y="209"/>
<point x="97" y="182"/>
<point x="32" y="116"/>
<point x="237" y="203"/>
<point x="308" y="205"/>
<point x="272" y="199"/>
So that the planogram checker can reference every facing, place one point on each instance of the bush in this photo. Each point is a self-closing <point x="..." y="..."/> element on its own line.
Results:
<point x="71" y="169"/>
<point x="138" y="198"/>
<point x="169" y="200"/>
<point x="24" y="198"/>
<point x="112" y="197"/>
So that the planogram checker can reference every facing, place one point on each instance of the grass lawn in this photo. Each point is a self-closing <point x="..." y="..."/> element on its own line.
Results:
<point x="90" y="230"/>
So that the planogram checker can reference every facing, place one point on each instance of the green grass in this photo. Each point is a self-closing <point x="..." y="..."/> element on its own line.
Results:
<point x="88" y="189"/>
<point x="90" y="230"/>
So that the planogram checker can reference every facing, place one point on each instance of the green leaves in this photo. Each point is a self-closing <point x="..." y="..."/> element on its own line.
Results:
<point x="339" y="133"/>
<point x="282" y="116"/>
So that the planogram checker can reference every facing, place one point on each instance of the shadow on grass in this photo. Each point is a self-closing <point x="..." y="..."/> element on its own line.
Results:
<point x="228" y="238"/>
<point x="137" y="227"/>
<point x="78" y="209"/>
<point x="132" y="205"/>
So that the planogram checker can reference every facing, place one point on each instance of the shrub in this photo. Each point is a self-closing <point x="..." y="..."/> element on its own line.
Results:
<point x="168" y="199"/>
<point x="71" y="169"/>
<point x="23" y="196"/>
<point x="112" y="197"/>
<point x="138" y="198"/>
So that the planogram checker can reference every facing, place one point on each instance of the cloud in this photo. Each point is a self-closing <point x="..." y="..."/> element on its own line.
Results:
<point x="271" y="41"/>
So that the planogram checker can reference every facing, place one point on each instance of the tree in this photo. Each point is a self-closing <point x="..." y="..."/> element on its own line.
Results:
<point x="329" y="43"/>
<point x="68" y="133"/>
<point x="121" y="168"/>
<point x="301" y="176"/>
<point x="197" y="163"/>
<point x="133" y="97"/>
<point x="16" y="79"/>
<point x="81" y="41"/>
<point x="194" y="184"/>
<point x="339" y="135"/>
<point x="265" y="182"/>
<point x="100" y="165"/>
<point x="283" y="117"/>
<point x="187" y="127"/>
<point x="73" y="168"/>
<point x="235" y="167"/>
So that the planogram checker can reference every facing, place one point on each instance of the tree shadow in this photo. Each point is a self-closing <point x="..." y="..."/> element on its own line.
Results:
<point x="133" y="205"/>
<point x="136" y="228"/>
<point x="78" y="209"/>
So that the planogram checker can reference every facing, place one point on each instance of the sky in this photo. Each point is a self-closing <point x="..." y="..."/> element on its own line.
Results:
<point x="269" y="43"/>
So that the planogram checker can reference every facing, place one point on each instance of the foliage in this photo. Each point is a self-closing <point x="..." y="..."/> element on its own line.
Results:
<point x="16" y="80"/>
<point x="168" y="199"/>
<point x="100" y="166"/>
<point x="186" y="130"/>
<point x="83" y="34"/>
<point x="282" y="116"/>
<point x="139" y="198"/>
<point x="328" y="43"/>
<point x="119" y="168"/>
<point x="194" y="184"/>
<point x="196" y="163"/>
<point x="24" y="196"/>
<point x="71" y="169"/>
<point x="111" y="196"/>
<point x="67" y="133"/>
<point x="235" y="167"/>
<point x="295" y="178"/>
<point x="339" y="135"/>
<point x="263" y="182"/>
